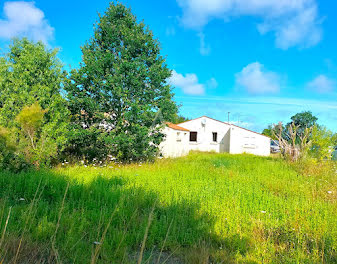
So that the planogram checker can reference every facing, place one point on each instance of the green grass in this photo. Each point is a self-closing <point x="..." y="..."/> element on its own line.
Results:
<point x="207" y="208"/>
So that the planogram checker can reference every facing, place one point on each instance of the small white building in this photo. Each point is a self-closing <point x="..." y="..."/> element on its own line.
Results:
<point x="208" y="134"/>
<point x="176" y="142"/>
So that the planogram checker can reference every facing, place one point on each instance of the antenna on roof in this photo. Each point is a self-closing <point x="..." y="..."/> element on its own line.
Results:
<point x="228" y="116"/>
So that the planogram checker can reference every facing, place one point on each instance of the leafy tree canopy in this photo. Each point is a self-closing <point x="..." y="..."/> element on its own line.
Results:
<point x="30" y="74"/>
<point x="304" y="119"/>
<point x="180" y="119"/>
<point x="119" y="89"/>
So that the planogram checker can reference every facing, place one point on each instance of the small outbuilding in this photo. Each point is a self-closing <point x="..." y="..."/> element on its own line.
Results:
<point x="208" y="134"/>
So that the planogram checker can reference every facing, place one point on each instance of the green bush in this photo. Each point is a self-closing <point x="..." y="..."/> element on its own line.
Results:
<point x="9" y="159"/>
<point x="322" y="144"/>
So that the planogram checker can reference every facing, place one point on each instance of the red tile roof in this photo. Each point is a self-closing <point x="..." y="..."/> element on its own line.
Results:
<point x="175" y="127"/>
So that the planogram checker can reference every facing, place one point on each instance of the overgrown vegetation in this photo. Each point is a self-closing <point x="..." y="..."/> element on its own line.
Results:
<point x="207" y="208"/>
<point x="204" y="208"/>
<point x="32" y="109"/>
<point x="113" y="106"/>
<point x="303" y="138"/>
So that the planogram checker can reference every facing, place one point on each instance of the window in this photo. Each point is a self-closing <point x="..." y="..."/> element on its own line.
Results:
<point x="249" y="142"/>
<point x="193" y="136"/>
<point x="215" y="137"/>
<point x="178" y="136"/>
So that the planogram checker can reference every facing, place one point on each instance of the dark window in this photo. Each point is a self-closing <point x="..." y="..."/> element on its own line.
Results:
<point x="193" y="136"/>
<point x="215" y="137"/>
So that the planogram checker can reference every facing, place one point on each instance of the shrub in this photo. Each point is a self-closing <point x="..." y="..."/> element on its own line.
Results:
<point x="39" y="148"/>
<point x="322" y="143"/>
<point x="9" y="159"/>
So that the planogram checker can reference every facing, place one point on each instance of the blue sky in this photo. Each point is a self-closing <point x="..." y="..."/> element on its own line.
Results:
<point x="262" y="61"/>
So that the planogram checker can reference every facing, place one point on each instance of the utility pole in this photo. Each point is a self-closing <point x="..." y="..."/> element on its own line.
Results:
<point x="228" y="116"/>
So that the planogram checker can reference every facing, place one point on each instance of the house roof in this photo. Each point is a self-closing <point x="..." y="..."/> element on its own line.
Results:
<point x="226" y="124"/>
<point x="176" y="127"/>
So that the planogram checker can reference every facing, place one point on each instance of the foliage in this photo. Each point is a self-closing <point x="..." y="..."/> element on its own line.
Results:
<point x="9" y="159"/>
<point x="294" y="143"/>
<point x="208" y="207"/>
<point x="180" y="119"/>
<point x="303" y="120"/>
<point x="30" y="73"/>
<point x="37" y="146"/>
<point x="303" y="136"/>
<point x="322" y="143"/>
<point x="269" y="132"/>
<point x="119" y="89"/>
<point x="30" y="119"/>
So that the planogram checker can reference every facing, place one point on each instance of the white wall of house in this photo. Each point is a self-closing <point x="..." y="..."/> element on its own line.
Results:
<point x="246" y="141"/>
<point x="229" y="138"/>
<point x="175" y="144"/>
<point x="205" y="127"/>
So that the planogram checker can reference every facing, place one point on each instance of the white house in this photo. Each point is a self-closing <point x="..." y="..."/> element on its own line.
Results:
<point x="176" y="143"/>
<point x="208" y="134"/>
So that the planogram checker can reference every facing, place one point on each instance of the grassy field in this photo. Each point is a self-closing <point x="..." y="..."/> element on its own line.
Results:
<point x="204" y="208"/>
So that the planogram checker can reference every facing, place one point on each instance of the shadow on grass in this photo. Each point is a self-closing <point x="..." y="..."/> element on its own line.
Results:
<point x="44" y="229"/>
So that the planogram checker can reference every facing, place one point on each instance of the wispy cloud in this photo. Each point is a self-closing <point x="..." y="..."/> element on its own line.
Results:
<point x="205" y="49"/>
<point x="170" y="31"/>
<point x="25" y="19"/>
<point x="294" y="23"/>
<point x="322" y="84"/>
<point x="190" y="84"/>
<point x="257" y="80"/>
<point x="212" y="83"/>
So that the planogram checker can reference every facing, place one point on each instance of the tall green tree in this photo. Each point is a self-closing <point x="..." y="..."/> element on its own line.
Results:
<point x="29" y="74"/>
<point x="119" y="90"/>
<point x="303" y="120"/>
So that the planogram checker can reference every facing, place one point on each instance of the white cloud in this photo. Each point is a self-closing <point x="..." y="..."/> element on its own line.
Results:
<point x="256" y="80"/>
<point x="24" y="19"/>
<point x="322" y="84"/>
<point x="294" y="22"/>
<point x="212" y="83"/>
<point x="204" y="48"/>
<point x="189" y="83"/>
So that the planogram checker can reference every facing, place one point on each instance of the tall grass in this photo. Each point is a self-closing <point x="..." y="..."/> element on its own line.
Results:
<point x="203" y="208"/>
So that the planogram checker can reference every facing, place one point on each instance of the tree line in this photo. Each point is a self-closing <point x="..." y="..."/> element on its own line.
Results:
<point x="303" y="137"/>
<point x="106" y="108"/>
